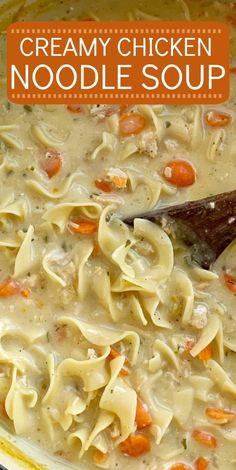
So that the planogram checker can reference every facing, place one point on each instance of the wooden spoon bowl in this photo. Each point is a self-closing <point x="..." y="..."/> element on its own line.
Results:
<point x="207" y="225"/>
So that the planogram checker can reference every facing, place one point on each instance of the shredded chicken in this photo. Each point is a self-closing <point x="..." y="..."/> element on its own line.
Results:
<point x="103" y="110"/>
<point x="170" y="144"/>
<point x="148" y="144"/>
<point x="144" y="248"/>
<point x="91" y="353"/>
<point x="118" y="177"/>
<point x="107" y="199"/>
<point x="199" y="316"/>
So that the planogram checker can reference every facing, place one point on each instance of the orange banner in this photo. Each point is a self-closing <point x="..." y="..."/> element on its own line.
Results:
<point x="118" y="62"/>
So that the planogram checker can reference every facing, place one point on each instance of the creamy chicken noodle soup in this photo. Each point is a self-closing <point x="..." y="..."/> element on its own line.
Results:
<point x="117" y="350"/>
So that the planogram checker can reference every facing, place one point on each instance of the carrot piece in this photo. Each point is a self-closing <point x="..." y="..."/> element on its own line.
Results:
<point x="9" y="287"/>
<point x="95" y="248"/>
<point x="74" y="108"/>
<point x="143" y="417"/>
<point x="113" y="355"/>
<point x="25" y="292"/>
<point x="180" y="466"/>
<point x="216" y="118"/>
<point x="99" y="456"/>
<point x="135" y="445"/>
<point x="123" y="372"/>
<point x="179" y="172"/>
<point x="189" y="345"/>
<point x="230" y="282"/>
<point x="103" y="185"/>
<point x="3" y="412"/>
<point x="219" y="415"/>
<point x="206" y="353"/>
<point x="132" y="123"/>
<point x="201" y="463"/>
<point x="82" y="226"/>
<point x="205" y="438"/>
<point x="52" y="163"/>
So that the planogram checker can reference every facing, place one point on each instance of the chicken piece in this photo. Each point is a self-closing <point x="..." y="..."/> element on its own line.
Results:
<point x="147" y="143"/>
<point x="199" y="316"/>
<point x="102" y="111"/>
<point x="143" y="248"/>
<point x="118" y="178"/>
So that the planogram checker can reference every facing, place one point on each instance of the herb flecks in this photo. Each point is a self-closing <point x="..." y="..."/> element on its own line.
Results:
<point x="184" y="443"/>
<point x="28" y="108"/>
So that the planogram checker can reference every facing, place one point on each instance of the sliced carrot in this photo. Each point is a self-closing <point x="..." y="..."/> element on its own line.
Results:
<point x="123" y="372"/>
<point x="189" y="345"/>
<point x="9" y="287"/>
<point x="103" y="185"/>
<point x="222" y="416"/>
<point x="3" y="412"/>
<point x="113" y="355"/>
<point x="206" y="353"/>
<point x="180" y="466"/>
<point x="99" y="456"/>
<point x="52" y="163"/>
<point x="216" y="118"/>
<point x="132" y="123"/>
<point x="179" y="172"/>
<point x="95" y="248"/>
<point x="201" y="463"/>
<point x="143" y="417"/>
<point x="74" y="108"/>
<point x="230" y="282"/>
<point x="82" y="226"/>
<point x="135" y="445"/>
<point x="205" y="438"/>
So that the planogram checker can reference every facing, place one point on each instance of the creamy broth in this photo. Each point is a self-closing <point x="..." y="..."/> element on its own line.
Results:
<point x="95" y="314"/>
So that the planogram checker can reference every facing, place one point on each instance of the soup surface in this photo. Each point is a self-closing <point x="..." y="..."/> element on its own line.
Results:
<point x="116" y="348"/>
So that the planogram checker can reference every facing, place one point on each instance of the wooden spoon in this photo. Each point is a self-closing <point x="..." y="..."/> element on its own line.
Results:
<point x="207" y="225"/>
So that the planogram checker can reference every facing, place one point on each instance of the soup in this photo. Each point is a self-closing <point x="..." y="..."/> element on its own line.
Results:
<point x="116" y="348"/>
